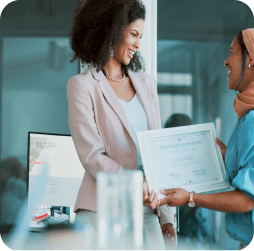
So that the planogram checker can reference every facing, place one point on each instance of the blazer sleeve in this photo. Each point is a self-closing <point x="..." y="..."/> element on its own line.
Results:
<point x="165" y="212"/>
<point x="88" y="142"/>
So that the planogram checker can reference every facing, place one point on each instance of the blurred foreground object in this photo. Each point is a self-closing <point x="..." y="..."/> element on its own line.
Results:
<point x="13" y="193"/>
<point x="20" y="233"/>
<point x="120" y="210"/>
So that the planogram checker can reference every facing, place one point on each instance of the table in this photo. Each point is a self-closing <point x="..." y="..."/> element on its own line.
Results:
<point x="66" y="237"/>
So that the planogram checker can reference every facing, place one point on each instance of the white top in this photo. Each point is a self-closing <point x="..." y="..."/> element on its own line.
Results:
<point x="137" y="119"/>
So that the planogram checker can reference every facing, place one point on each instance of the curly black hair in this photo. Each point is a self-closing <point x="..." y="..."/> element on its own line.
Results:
<point x="98" y="26"/>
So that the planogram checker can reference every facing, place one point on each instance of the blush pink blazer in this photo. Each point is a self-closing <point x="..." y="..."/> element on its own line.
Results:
<point x="101" y="131"/>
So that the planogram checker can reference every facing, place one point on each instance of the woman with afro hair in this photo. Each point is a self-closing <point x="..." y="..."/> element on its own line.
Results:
<point x="110" y="102"/>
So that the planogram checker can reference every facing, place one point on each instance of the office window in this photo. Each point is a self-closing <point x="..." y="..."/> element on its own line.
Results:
<point x="170" y="104"/>
<point x="174" y="94"/>
<point x="174" y="79"/>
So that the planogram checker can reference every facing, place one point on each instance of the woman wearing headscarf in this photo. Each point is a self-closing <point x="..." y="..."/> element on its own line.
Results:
<point x="111" y="101"/>
<point x="239" y="154"/>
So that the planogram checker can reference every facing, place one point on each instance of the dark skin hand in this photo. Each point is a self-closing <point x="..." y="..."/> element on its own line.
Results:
<point x="175" y="197"/>
<point x="230" y="202"/>
<point x="223" y="148"/>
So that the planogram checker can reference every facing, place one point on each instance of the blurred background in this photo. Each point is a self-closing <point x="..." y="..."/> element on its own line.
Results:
<point x="194" y="38"/>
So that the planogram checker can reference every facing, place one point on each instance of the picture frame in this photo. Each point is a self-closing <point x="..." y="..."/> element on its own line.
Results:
<point x="186" y="157"/>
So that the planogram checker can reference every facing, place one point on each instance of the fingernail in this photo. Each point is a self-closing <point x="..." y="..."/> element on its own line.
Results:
<point x="162" y="191"/>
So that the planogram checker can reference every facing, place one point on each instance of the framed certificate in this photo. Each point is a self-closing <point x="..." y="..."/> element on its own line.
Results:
<point x="187" y="157"/>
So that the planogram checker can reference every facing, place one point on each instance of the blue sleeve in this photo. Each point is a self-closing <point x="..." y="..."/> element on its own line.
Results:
<point x="244" y="180"/>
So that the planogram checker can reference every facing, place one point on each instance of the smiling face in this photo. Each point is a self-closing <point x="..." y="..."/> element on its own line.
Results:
<point x="130" y="42"/>
<point x="234" y="67"/>
<point x="234" y="64"/>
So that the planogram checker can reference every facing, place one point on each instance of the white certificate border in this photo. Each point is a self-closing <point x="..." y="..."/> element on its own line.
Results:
<point x="199" y="188"/>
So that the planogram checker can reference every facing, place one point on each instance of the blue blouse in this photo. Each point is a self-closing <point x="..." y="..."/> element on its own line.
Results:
<point x="239" y="163"/>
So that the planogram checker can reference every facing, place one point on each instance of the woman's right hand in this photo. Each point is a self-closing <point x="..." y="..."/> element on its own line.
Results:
<point x="151" y="200"/>
<point x="223" y="148"/>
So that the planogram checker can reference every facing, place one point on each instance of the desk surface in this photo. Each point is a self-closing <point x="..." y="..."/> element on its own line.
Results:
<point x="65" y="237"/>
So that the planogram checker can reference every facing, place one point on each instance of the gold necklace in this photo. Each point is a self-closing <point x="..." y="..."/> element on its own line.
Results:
<point x="116" y="80"/>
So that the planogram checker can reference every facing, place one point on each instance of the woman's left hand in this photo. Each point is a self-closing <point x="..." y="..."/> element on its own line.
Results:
<point x="223" y="148"/>
<point x="175" y="197"/>
<point x="169" y="234"/>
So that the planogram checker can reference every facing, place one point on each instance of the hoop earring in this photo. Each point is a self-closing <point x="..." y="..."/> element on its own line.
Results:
<point x="250" y="66"/>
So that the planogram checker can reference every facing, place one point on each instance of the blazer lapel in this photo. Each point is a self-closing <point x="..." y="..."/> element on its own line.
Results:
<point x="111" y="97"/>
<point x="141" y="88"/>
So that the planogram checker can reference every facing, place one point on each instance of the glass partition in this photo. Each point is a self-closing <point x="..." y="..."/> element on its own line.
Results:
<point x="194" y="39"/>
<point x="35" y="75"/>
